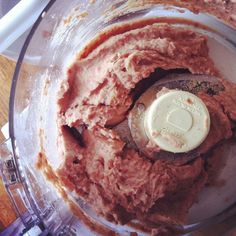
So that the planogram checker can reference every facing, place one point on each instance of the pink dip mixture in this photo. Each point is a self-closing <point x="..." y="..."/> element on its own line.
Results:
<point x="118" y="182"/>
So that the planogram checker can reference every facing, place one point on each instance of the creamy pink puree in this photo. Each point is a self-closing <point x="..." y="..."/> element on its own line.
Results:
<point x="118" y="182"/>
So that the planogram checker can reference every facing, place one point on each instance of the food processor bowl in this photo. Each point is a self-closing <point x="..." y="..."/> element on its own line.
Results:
<point x="62" y="30"/>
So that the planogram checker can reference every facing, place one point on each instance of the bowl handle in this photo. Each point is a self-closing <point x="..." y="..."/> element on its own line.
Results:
<point x="23" y="217"/>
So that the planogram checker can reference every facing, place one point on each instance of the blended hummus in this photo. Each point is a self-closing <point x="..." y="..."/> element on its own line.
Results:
<point x="119" y="182"/>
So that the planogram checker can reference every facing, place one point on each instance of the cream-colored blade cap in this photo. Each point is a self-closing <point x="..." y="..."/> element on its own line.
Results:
<point x="177" y="121"/>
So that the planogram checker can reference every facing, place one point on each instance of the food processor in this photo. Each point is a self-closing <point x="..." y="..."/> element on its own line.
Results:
<point x="61" y="31"/>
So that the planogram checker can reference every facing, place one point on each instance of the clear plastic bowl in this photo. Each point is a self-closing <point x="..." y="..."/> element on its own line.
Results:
<point x="32" y="109"/>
